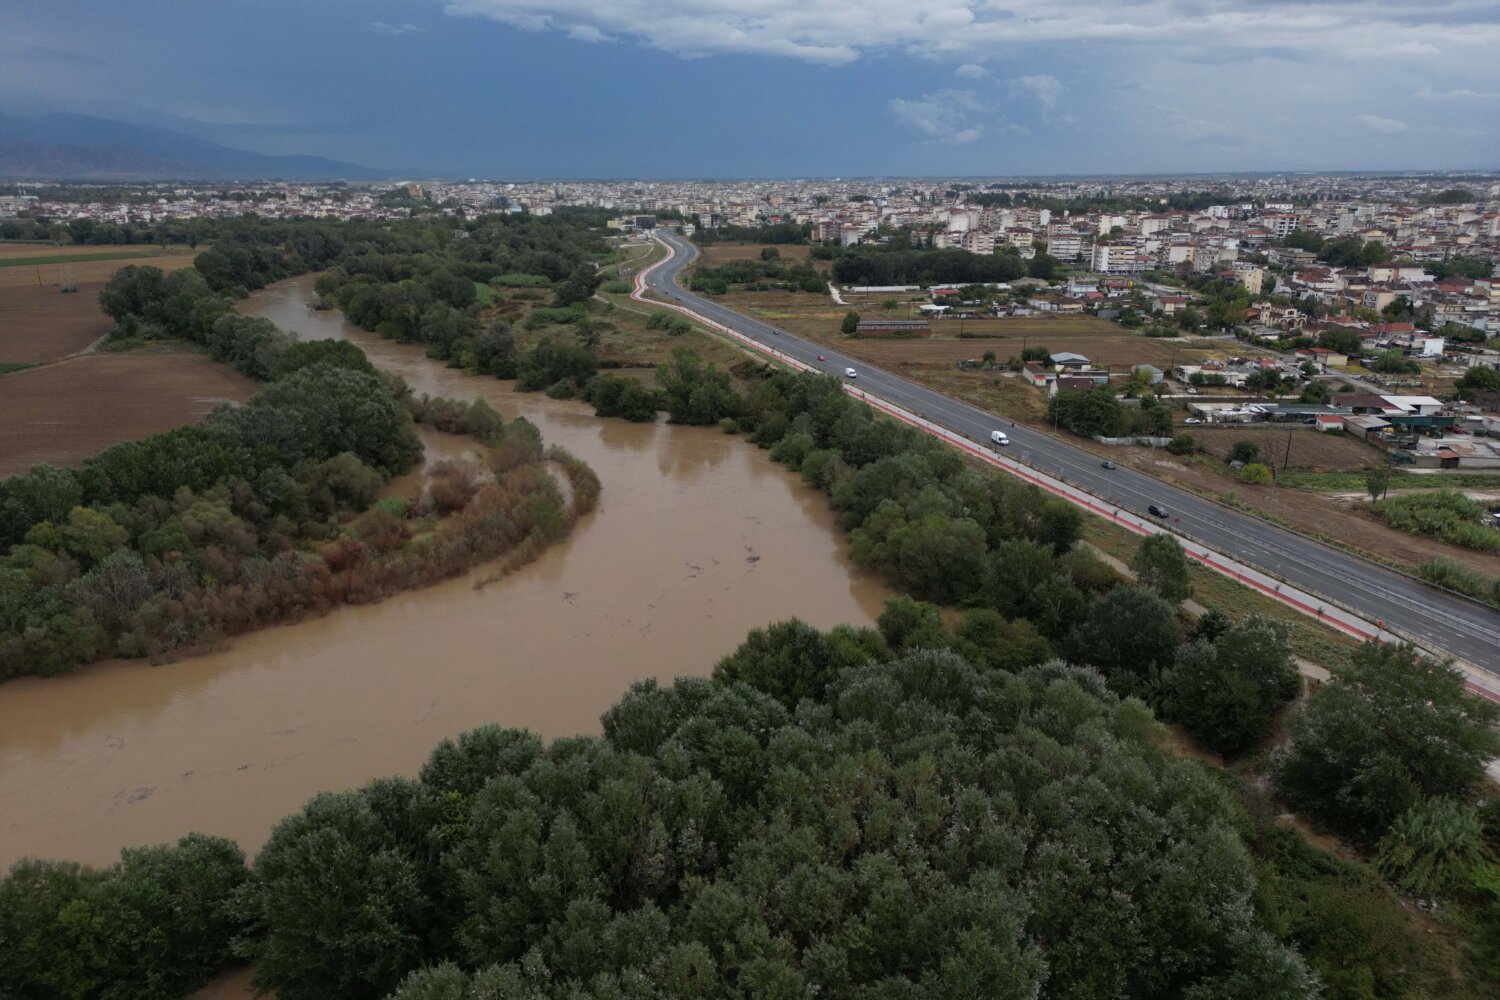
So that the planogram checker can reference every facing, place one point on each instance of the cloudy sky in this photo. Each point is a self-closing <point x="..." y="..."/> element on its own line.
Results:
<point x="733" y="88"/>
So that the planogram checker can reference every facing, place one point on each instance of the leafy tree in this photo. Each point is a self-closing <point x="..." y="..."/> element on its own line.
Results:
<point x="578" y="287"/>
<point x="990" y="642"/>
<point x="153" y="927"/>
<point x="695" y="393"/>
<point x="43" y="493"/>
<point x="791" y="660"/>
<point x="304" y="354"/>
<point x="1225" y="691"/>
<point x="1210" y="625"/>
<point x="1377" y="480"/>
<point x="1391" y="730"/>
<point x="1244" y="451"/>
<point x="850" y="325"/>
<point x="344" y="892"/>
<point x="1393" y="362"/>
<point x="553" y="360"/>
<point x="1479" y="378"/>
<point x="619" y="396"/>
<point x="1314" y="392"/>
<point x="495" y="351"/>
<point x="1161" y="565"/>
<point x="1095" y="413"/>
<point x="905" y="619"/>
<point x="1345" y="341"/>
<point x="1131" y="635"/>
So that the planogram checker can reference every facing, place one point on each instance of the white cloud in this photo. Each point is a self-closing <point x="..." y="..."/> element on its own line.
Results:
<point x="1458" y="94"/>
<point x="944" y="116"/>
<point x="839" y="31"/>
<point x="1194" y="131"/>
<point x="972" y="71"/>
<point x="382" y="28"/>
<point x="1382" y="126"/>
<point x="1046" y="89"/>
<point x="587" y="33"/>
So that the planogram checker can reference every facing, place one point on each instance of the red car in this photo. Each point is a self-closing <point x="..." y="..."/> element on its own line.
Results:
<point x="821" y="358"/>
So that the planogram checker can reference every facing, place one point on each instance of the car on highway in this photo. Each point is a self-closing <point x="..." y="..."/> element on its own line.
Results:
<point x="850" y="373"/>
<point x="1157" y="510"/>
<point x="999" y="437"/>
<point x="821" y="358"/>
<point x="1106" y="464"/>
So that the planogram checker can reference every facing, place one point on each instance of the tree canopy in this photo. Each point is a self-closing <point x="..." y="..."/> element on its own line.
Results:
<point x="895" y="837"/>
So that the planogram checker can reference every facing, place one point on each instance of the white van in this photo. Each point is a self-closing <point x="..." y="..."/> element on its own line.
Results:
<point x="999" y="437"/>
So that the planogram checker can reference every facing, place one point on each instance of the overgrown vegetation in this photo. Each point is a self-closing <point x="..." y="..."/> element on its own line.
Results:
<point x="1444" y="514"/>
<point x="758" y="276"/>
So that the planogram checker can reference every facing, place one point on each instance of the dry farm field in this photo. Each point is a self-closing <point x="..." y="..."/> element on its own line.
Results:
<point x="27" y="264"/>
<point x="718" y="253"/>
<point x="1104" y="343"/>
<point x="42" y="324"/>
<point x="1309" y="448"/>
<point x="62" y="413"/>
<point x="39" y="322"/>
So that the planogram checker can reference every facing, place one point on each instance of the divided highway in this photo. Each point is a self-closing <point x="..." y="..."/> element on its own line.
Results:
<point x="1438" y="620"/>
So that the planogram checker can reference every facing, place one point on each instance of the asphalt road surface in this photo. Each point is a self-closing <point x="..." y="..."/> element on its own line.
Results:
<point x="1442" y="621"/>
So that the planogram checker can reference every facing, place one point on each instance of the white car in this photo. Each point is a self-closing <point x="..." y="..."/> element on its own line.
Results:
<point x="850" y="373"/>
<point x="1192" y="420"/>
<point x="999" y="437"/>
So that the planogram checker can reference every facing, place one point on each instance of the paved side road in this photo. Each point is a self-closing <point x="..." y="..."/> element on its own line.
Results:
<point x="1432" y="618"/>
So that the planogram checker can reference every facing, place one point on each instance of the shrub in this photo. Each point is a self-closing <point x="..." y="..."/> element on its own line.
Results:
<point x="1182" y="444"/>
<point x="1243" y="451"/>
<point x="550" y="316"/>
<point x="515" y="280"/>
<point x="1434" y="848"/>
<point x="1455" y="575"/>
<point x="1445" y="514"/>
<point x="1256" y="474"/>
<point x="617" y="287"/>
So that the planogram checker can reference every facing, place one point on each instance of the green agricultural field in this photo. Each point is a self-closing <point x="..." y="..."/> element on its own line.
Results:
<point x="53" y="258"/>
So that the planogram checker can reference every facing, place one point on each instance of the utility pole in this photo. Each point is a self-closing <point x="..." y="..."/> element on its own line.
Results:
<point x="1287" y="459"/>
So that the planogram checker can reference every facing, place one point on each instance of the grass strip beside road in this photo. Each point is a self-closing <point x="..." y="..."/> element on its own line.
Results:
<point x="1310" y="640"/>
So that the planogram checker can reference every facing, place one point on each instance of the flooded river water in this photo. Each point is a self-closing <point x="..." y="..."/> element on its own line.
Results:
<point x="698" y="539"/>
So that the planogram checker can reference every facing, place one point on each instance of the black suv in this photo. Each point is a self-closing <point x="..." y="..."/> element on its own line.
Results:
<point x="1157" y="510"/>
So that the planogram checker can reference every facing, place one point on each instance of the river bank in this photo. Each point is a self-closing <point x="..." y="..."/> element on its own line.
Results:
<point x="698" y="539"/>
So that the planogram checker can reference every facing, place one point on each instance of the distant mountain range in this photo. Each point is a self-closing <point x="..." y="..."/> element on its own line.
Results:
<point x="77" y="147"/>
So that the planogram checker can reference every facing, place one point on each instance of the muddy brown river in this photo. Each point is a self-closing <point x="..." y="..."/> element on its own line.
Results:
<point x="698" y="539"/>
